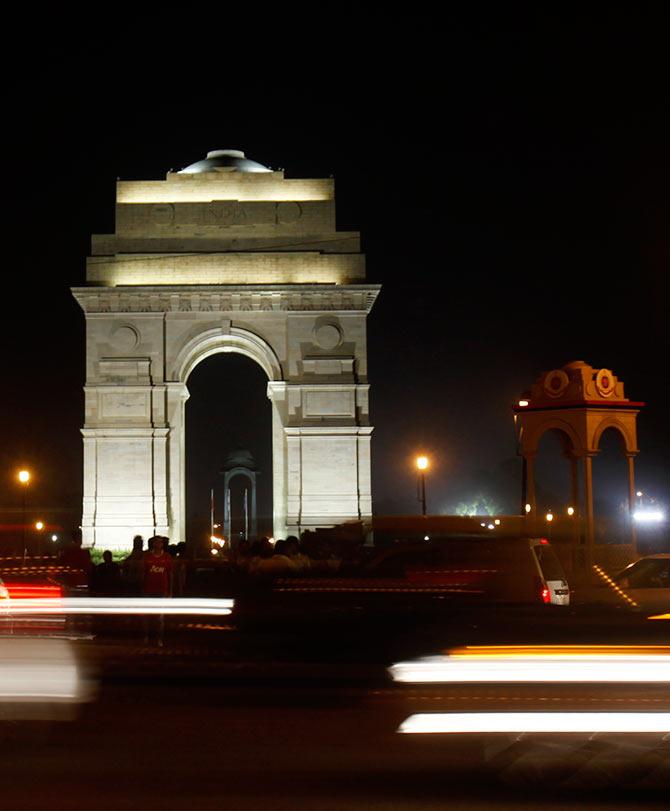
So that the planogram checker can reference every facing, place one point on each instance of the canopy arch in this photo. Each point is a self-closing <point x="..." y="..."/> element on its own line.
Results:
<point x="581" y="403"/>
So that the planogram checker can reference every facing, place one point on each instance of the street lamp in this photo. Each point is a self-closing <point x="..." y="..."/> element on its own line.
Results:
<point x="550" y="517"/>
<point x="39" y="526"/>
<point x="24" y="479"/>
<point x="422" y="466"/>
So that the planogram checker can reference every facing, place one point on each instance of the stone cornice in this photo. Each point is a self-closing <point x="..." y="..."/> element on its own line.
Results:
<point x="227" y="298"/>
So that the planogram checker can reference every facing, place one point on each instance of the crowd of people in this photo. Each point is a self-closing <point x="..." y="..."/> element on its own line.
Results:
<point x="161" y="569"/>
<point x="286" y="558"/>
<point x="148" y="573"/>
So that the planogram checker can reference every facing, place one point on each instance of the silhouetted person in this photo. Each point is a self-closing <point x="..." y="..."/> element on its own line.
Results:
<point x="132" y="568"/>
<point x="78" y="564"/>
<point x="107" y="576"/>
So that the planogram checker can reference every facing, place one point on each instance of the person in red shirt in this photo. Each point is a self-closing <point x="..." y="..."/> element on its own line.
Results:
<point x="157" y="576"/>
<point x="156" y="582"/>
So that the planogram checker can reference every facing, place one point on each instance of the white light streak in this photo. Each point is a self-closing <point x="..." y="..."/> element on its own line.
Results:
<point x="514" y="722"/>
<point x="590" y="666"/>
<point x="119" y="605"/>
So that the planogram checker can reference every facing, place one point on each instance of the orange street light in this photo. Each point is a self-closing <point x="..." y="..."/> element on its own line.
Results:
<point x="24" y="477"/>
<point x="422" y="466"/>
<point x="39" y="525"/>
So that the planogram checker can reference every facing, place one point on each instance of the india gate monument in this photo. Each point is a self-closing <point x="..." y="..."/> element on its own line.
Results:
<point x="225" y="255"/>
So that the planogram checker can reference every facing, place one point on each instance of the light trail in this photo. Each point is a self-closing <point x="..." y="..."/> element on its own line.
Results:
<point x="520" y="722"/>
<point x="117" y="605"/>
<point x="491" y="664"/>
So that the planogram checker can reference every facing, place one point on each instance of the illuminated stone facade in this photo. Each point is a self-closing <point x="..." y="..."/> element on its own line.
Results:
<point x="224" y="258"/>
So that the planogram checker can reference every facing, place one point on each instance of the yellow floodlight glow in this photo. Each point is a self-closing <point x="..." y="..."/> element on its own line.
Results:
<point x="497" y="522"/>
<point x="550" y="517"/>
<point x="527" y="508"/>
<point x="571" y="510"/>
<point x="24" y="476"/>
<point x="516" y="722"/>
<point x="39" y="525"/>
<point x="262" y="187"/>
<point x="523" y="403"/>
<point x="422" y="462"/>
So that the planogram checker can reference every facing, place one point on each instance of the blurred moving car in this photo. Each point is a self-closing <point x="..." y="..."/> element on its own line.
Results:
<point x="647" y="582"/>
<point x="40" y="679"/>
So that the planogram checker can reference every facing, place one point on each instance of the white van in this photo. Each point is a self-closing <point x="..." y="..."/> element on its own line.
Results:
<point x="510" y="570"/>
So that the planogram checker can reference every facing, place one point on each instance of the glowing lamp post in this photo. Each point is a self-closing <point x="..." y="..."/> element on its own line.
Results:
<point x="422" y="466"/>
<point x="39" y="526"/>
<point x="24" y="480"/>
<point x="550" y="517"/>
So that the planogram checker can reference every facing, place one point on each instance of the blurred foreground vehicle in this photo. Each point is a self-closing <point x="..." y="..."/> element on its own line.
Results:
<point x="40" y="679"/>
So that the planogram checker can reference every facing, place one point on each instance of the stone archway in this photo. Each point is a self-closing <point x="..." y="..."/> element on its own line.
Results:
<point x="582" y="403"/>
<point x="224" y="256"/>
<point x="193" y="351"/>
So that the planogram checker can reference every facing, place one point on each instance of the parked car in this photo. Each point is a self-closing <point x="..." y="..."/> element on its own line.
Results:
<point x="512" y="570"/>
<point x="647" y="582"/>
<point x="494" y="569"/>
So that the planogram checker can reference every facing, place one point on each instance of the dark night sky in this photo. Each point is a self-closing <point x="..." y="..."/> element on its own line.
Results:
<point x="510" y="184"/>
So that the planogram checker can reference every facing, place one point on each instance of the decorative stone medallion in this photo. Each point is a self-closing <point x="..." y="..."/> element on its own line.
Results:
<point x="605" y="383"/>
<point x="125" y="338"/>
<point x="328" y="336"/>
<point x="555" y="383"/>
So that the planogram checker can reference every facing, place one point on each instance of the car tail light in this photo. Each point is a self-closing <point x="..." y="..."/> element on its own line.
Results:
<point x="33" y="591"/>
<point x="543" y="589"/>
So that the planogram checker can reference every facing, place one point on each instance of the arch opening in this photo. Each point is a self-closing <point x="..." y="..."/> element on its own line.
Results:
<point x="553" y="482"/>
<point x="227" y="409"/>
<point x="610" y="489"/>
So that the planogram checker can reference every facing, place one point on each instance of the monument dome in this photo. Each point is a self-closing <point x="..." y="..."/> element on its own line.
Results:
<point x="224" y="160"/>
<point x="240" y="457"/>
